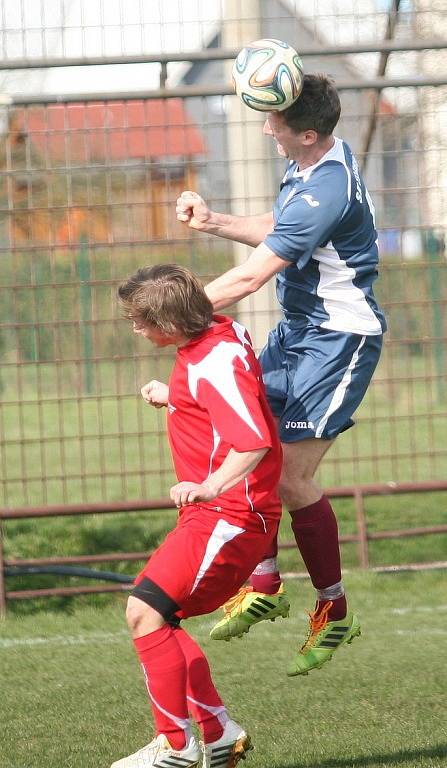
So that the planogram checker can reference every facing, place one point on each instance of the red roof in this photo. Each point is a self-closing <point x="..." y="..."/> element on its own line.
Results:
<point x="386" y="108"/>
<point x="113" y="130"/>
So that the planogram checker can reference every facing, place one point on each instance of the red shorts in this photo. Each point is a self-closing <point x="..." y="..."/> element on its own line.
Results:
<point x="207" y="557"/>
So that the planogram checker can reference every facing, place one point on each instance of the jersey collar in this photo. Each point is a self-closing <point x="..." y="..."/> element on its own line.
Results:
<point x="332" y="154"/>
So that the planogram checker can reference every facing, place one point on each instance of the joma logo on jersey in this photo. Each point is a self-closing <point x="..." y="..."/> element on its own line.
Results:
<point x="311" y="201"/>
<point x="300" y="425"/>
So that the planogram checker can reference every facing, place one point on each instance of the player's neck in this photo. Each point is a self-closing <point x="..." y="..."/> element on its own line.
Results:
<point x="183" y="341"/>
<point x="315" y="153"/>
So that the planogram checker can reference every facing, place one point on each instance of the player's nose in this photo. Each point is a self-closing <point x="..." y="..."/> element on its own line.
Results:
<point x="266" y="130"/>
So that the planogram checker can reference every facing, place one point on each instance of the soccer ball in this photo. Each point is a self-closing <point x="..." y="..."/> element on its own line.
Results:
<point x="268" y="75"/>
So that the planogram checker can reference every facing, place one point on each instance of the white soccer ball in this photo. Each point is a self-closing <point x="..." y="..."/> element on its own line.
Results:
<point x="268" y="75"/>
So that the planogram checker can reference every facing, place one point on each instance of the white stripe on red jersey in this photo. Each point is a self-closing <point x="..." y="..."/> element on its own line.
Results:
<point x="216" y="402"/>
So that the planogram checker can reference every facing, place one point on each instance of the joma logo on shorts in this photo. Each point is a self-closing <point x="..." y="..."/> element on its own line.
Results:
<point x="300" y="425"/>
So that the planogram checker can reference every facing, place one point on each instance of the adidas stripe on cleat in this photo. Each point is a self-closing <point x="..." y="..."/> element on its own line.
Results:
<point x="159" y="754"/>
<point x="248" y="608"/>
<point x="323" y="639"/>
<point x="229" y="749"/>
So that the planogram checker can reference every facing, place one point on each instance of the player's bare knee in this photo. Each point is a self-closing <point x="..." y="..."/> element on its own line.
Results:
<point x="134" y="612"/>
<point x="139" y="616"/>
<point x="296" y="491"/>
<point x="290" y="489"/>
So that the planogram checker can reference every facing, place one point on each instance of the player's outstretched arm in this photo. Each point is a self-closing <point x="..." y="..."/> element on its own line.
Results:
<point x="244" y="279"/>
<point x="234" y="468"/>
<point x="155" y="393"/>
<point x="192" y="210"/>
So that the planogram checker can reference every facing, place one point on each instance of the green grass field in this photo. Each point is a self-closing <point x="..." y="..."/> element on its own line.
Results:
<point x="73" y="696"/>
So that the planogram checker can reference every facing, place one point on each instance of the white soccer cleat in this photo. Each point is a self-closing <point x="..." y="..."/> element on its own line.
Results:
<point x="160" y="754"/>
<point x="229" y="749"/>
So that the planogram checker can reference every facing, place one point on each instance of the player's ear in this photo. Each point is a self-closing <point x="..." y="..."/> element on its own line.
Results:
<point x="310" y="137"/>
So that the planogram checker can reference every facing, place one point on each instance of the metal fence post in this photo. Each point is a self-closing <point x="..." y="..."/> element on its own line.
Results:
<point x="435" y="250"/>
<point x="361" y="528"/>
<point x="2" y="576"/>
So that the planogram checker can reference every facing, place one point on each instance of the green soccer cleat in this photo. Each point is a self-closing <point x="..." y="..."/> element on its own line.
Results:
<point x="248" y="608"/>
<point x="323" y="639"/>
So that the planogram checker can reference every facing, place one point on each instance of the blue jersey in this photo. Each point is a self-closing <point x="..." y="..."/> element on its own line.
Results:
<point x="324" y="226"/>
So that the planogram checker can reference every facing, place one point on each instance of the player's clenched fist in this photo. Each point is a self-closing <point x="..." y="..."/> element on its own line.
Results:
<point x="187" y="492"/>
<point x="155" y="393"/>
<point x="192" y="209"/>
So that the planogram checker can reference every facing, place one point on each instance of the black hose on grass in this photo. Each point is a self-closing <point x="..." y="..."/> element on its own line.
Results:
<point x="67" y="570"/>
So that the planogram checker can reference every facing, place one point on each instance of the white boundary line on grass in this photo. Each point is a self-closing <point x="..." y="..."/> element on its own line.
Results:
<point x="413" y="632"/>
<point x="60" y="640"/>
<point x="439" y="565"/>
<point x="93" y="637"/>
<point x="418" y="609"/>
<point x="116" y="637"/>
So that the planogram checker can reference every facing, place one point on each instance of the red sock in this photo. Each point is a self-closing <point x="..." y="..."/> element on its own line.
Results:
<point x="204" y="702"/>
<point x="266" y="576"/>
<point x="164" y="668"/>
<point x="268" y="583"/>
<point x="316" y="534"/>
<point x="338" y="609"/>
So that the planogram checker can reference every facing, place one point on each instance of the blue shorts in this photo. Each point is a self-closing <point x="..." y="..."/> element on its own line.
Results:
<point x="316" y="378"/>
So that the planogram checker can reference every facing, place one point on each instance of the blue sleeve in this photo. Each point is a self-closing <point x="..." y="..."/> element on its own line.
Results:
<point x="311" y="214"/>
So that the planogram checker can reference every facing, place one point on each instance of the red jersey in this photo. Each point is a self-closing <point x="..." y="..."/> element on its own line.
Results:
<point x="216" y="402"/>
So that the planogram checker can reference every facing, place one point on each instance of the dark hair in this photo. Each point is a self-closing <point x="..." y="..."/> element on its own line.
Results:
<point x="168" y="297"/>
<point x="317" y="108"/>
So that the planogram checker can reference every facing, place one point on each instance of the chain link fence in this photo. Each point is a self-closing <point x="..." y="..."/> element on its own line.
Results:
<point x="92" y="158"/>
